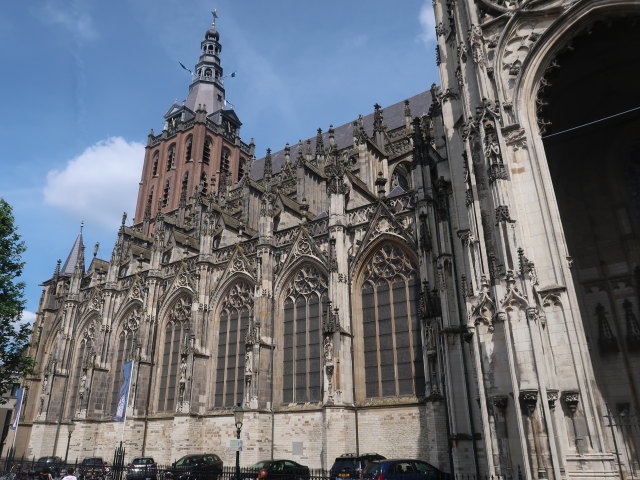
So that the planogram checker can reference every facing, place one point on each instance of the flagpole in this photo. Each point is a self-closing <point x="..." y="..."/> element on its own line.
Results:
<point x="124" y="420"/>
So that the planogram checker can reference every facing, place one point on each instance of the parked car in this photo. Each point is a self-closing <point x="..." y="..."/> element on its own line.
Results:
<point x="92" y="468"/>
<point x="403" y="469"/>
<point x="53" y="464"/>
<point x="143" y="468"/>
<point x="280" y="470"/>
<point x="351" y="465"/>
<point x="205" y="466"/>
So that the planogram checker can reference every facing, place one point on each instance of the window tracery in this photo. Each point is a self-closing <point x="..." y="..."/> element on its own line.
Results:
<point x="84" y="359"/>
<point x="302" y="336"/>
<point x="176" y="328"/>
<point x="236" y="309"/>
<point x="400" y="178"/>
<point x="392" y="345"/>
<point x="124" y="352"/>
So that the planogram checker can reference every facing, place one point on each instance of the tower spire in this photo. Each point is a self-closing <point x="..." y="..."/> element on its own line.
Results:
<point x="74" y="255"/>
<point x="207" y="88"/>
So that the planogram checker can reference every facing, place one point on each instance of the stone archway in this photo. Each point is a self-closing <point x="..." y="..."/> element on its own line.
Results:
<point x="590" y="115"/>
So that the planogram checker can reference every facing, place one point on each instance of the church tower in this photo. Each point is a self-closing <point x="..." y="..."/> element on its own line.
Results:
<point x="547" y="276"/>
<point x="199" y="150"/>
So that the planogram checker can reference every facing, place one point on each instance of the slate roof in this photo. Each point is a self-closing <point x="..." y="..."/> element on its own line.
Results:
<point x="393" y="118"/>
<point x="72" y="259"/>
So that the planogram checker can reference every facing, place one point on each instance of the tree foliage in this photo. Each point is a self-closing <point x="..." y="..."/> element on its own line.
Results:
<point x="14" y="334"/>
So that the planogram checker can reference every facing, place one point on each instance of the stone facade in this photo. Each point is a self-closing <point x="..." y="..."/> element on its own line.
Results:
<point x="401" y="284"/>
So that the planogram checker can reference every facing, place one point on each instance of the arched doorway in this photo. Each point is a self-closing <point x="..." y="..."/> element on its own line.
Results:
<point x="590" y="115"/>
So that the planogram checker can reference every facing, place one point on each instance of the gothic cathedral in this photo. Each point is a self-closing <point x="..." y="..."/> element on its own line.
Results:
<point x="455" y="277"/>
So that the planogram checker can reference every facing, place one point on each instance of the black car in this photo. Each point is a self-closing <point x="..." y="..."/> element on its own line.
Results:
<point x="280" y="470"/>
<point x="51" y="465"/>
<point x="143" y="468"/>
<point x="351" y="465"/>
<point x="204" y="466"/>
<point x="92" y="468"/>
<point x="404" y="469"/>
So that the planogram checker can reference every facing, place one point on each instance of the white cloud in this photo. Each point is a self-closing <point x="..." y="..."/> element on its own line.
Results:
<point x="100" y="183"/>
<point x="71" y="15"/>
<point x="28" y="317"/>
<point x="427" y="22"/>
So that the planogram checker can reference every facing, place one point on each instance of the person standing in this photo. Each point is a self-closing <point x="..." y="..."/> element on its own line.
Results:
<point x="70" y="475"/>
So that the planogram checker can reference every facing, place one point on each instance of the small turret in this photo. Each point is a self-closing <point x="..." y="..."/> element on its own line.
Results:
<point x="319" y="148"/>
<point x="268" y="167"/>
<point x="206" y="91"/>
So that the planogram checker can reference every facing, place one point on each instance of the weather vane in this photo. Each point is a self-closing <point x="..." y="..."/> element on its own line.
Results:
<point x="214" y="12"/>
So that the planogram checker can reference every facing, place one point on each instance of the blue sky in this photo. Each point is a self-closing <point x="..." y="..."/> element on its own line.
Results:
<point x="85" y="80"/>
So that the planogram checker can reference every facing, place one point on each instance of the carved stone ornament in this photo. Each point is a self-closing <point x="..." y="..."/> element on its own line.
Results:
<point x="484" y="310"/>
<point x="388" y="262"/>
<point x="132" y="321"/>
<point x="500" y="402"/>
<point x="97" y="300"/>
<point x="552" y="398"/>
<point x="137" y="291"/>
<point x="528" y="400"/>
<point x="571" y="400"/>
<point x="502" y="214"/>
<point x="515" y="137"/>
<point x="476" y="41"/>
<point x="181" y="310"/>
<point x="307" y="280"/>
<point x="239" y="297"/>
<point x="331" y="321"/>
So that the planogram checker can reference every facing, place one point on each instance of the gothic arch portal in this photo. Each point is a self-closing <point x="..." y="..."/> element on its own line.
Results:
<point x="583" y="156"/>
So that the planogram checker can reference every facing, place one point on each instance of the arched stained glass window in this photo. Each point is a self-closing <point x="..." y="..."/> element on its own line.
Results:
<point x="390" y="323"/>
<point x="237" y="307"/>
<point x="175" y="331"/>
<point x="74" y="402"/>
<point x="302" y="336"/>
<point x="124" y="351"/>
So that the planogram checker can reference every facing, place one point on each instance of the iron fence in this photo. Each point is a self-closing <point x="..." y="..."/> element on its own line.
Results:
<point x="26" y="469"/>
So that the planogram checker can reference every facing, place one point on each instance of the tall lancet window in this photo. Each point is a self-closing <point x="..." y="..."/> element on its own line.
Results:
<point x="236" y="309"/>
<point x="224" y="161"/>
<point x="206" y="152"/>
<point x="391" y="327"/>
<point x="302" y="336"/>
<point x="124" y="352"/>
<point x="74" y="402"/>
<point x="175" y="335"/>
<point x="171" y="157"/>
<point x="188" y="148"/>
<point x="156" y="161"/>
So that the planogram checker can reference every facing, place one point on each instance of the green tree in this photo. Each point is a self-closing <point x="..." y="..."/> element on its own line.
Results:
<point x="14" y="335"/>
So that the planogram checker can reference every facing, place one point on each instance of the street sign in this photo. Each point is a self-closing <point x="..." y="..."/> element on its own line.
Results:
<point x="235" y="444"/>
